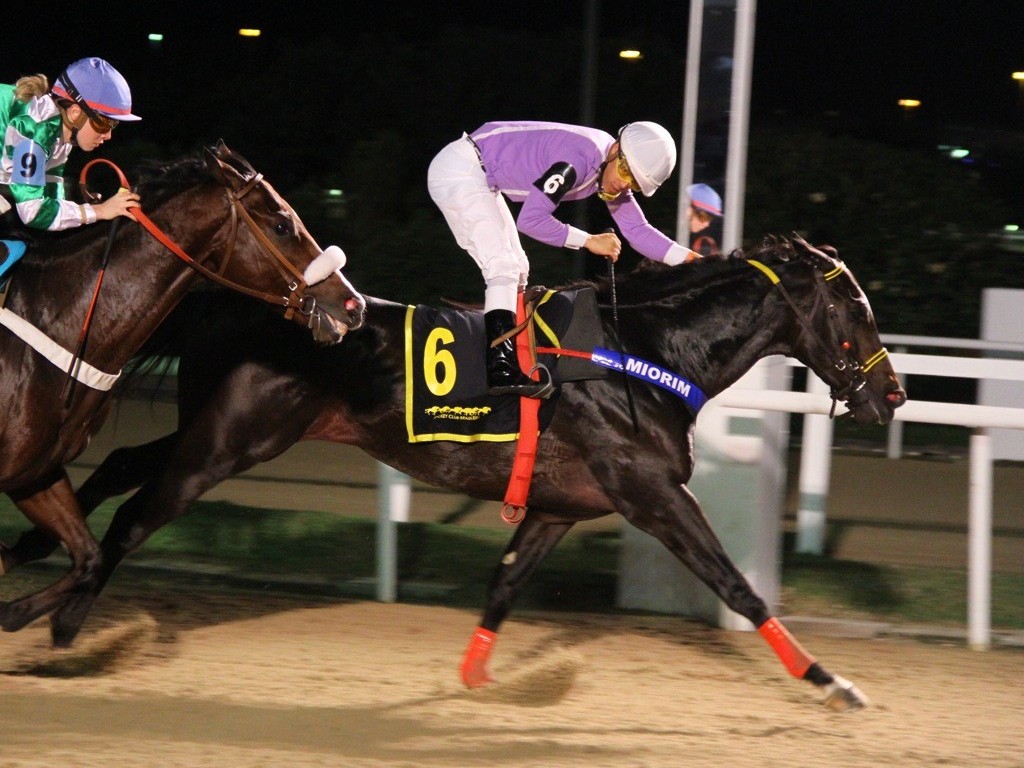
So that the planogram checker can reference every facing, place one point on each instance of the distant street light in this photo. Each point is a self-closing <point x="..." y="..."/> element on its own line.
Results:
<point x="1019" y="77"/>
<point x="630" y="54"/>
<point x="249" y="32"/>
<point x="908" y="106"/>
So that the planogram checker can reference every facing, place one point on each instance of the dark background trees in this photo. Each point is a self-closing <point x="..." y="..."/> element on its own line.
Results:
<point x="330" y="99"/>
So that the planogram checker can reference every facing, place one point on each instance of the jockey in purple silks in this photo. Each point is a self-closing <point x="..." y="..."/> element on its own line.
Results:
<point x="541" y="164"/>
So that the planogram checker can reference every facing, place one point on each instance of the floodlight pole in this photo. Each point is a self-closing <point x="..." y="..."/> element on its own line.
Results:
<point x="739" y="117"/>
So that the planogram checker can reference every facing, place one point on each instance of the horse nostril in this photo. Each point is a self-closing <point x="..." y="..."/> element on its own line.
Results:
<point x="897" y="397"/>
<point x="352" y="305"/>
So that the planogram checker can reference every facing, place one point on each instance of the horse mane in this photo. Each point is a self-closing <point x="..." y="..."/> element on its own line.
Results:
<point x="155" y="181"/>
<point x="651" y="280"/>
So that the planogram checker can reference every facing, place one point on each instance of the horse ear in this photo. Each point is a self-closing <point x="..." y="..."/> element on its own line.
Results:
<point x="823" y="258"/>
<point x="211" y="155"/>
<point x="227" y="165"/>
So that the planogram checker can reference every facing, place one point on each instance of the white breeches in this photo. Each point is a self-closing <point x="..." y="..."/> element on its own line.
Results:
<point x="481" y="221"/>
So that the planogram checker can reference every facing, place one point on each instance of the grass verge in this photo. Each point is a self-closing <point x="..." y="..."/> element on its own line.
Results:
<point x="452" y="564"/>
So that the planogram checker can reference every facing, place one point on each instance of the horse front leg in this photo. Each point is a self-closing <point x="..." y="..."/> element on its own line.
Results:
<point x="51" y="506"/>
<point x="533" y="540"/>
<point x="221" y="443"/>
<point x="121" y="471"/>
<point x="680" y="524"/>
<point x="154" y="505"/>
<point x="134" y="522"/>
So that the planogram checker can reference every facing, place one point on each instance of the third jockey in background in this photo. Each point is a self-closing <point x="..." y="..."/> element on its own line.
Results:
<point x="541" y="164"/>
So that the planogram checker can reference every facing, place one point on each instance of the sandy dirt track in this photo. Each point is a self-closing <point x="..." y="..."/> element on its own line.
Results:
<point x="235" y="680"/>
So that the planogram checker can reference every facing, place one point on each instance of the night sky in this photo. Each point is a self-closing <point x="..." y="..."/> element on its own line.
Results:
<point x="358" y="97"/>
<point x="809" y="55"/>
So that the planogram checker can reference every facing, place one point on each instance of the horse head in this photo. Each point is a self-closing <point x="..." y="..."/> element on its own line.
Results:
<point x="836" y="333"/>
<point x="312" y="286"/>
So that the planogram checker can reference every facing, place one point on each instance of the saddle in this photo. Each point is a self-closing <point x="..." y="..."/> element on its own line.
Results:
<point x="10" y="252"/>
<point x="445" y="374"/>
<point x="446" y="383"/>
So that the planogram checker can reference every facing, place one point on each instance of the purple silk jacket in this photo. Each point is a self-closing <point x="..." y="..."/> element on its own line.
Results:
<point x="515" y="155"/>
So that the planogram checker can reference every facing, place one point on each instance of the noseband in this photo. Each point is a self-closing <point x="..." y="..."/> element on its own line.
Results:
<point x="306" y="305"/>
<point x="838" y="348"/>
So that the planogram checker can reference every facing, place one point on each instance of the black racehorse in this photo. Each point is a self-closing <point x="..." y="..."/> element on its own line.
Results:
<point x="233" y="226"/>
<point x="709" y="322"/>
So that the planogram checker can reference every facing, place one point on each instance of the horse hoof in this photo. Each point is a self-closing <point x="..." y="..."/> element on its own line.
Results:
<point x="12" y="618"/>
<point x="66" y="622"/>
<point x="474" y="674"/>
<point x="477" y="679"/>
<point x="843" y="696"/>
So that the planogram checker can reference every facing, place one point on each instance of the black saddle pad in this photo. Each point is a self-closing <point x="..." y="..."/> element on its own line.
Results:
<point x="446" y="386"/>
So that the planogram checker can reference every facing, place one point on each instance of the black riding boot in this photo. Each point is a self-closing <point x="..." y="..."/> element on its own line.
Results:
<point x="504" y="376"/>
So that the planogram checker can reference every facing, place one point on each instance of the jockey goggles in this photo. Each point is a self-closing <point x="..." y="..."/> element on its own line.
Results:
<point x="622" y="168"/>
<point x="100" y="123"/>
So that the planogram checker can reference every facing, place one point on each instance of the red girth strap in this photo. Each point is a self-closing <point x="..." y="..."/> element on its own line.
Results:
<point x="514" y="509"/>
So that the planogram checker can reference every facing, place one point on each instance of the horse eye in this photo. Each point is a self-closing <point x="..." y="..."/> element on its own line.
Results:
<point x="283" y="228"/>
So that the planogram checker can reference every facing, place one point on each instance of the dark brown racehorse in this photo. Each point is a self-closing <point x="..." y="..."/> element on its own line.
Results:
<point x="221" y="213"/>
<point x="709" y="322"/>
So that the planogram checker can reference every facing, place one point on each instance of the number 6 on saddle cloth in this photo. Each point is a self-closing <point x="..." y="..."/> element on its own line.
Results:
<point x="445" y="377"/>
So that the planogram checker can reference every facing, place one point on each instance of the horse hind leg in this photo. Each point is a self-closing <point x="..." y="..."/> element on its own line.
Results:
<point x="532" y="541"/>
<point x="686" y="532"/>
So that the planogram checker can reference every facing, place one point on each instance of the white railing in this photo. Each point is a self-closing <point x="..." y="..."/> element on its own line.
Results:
<point x="817" y="445"/>
<point x="816" y="458"/>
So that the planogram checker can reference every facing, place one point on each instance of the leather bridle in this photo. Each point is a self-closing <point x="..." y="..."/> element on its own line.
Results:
<point x="851" y="371"/>
<point x="294" y="300"/>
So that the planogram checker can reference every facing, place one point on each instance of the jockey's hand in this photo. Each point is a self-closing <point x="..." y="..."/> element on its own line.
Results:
<point x="118" y="205"/>
<point x="606" y="244"/>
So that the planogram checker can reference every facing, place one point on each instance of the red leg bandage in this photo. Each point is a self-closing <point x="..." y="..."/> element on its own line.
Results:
<point x="474" y="663"/>
<point x="792" y="654"/>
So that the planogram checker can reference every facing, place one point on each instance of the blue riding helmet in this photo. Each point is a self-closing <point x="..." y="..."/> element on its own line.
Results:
<point x="705" y="198"/>
<point x="97" y="85"/>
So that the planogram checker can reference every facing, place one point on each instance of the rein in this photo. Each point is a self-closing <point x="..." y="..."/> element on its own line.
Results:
<point x="305" y="304"/>
<point x="290" y="302"/>
<point x="846" y="365"/>
<point x="618" y="342"/>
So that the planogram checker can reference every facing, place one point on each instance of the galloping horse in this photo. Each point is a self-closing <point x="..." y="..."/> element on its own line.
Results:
<point x="53" y="401"/>
<point x="247" y="391"/>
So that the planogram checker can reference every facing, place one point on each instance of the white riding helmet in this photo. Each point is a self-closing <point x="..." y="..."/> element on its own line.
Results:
<point x="650" y="152"/>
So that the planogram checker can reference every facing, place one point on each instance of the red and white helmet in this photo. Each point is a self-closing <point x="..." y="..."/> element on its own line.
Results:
<point x="650" y="152"/>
